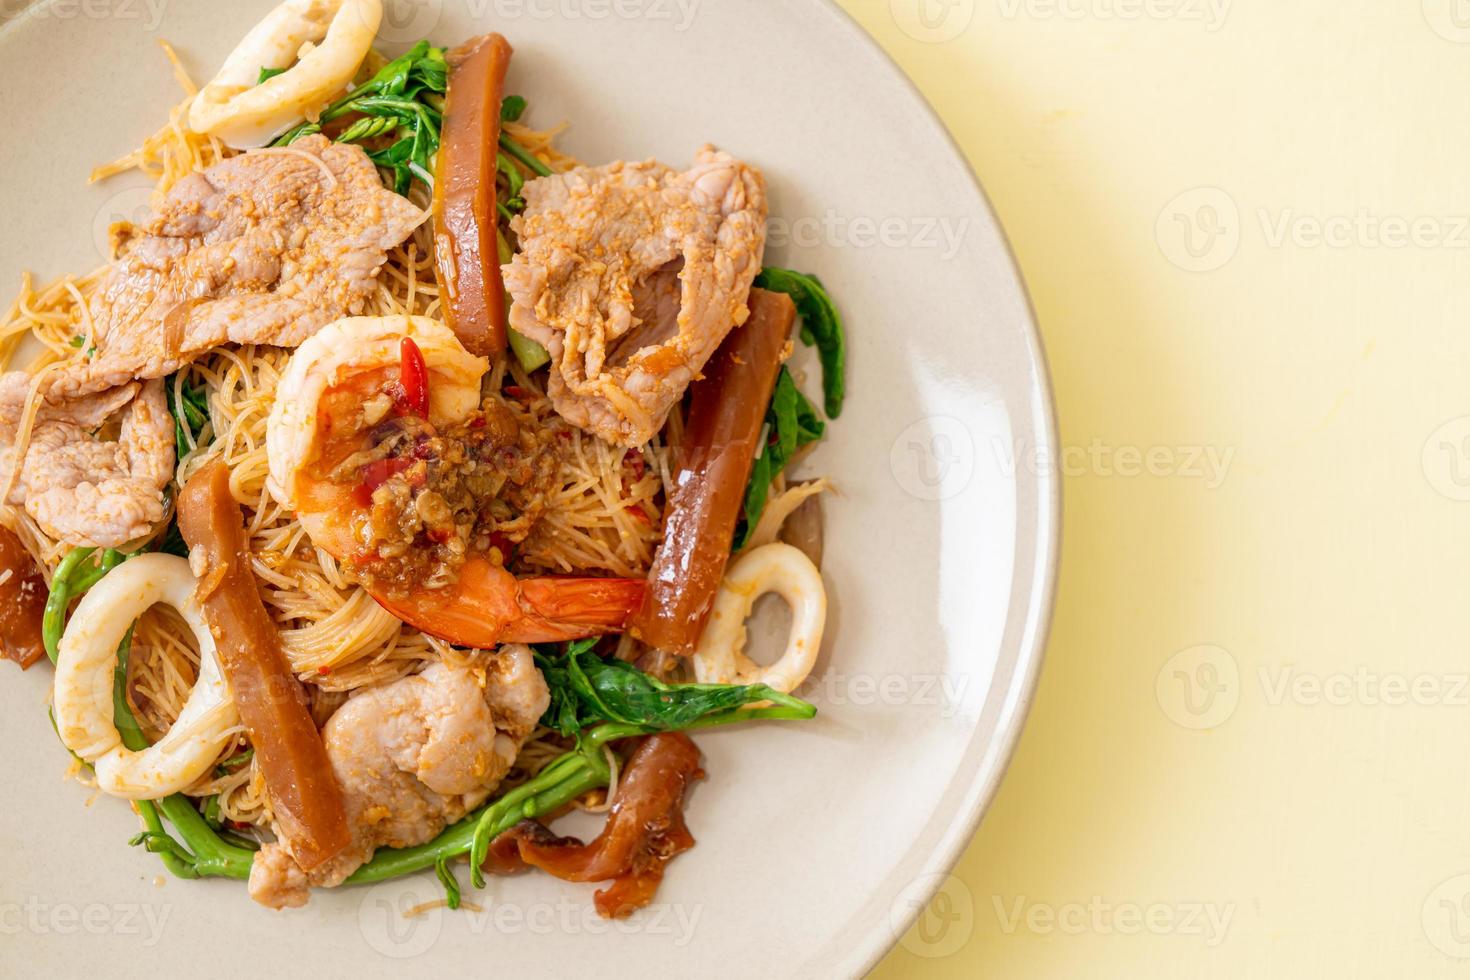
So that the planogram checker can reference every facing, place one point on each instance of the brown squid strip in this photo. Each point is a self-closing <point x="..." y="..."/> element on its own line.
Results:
<point x="645" y="830"/>
<point x="465" y="248"/>
<point x="727" y="411"/>
<point x="311" y="816"/>
<point x="22" y="602"/>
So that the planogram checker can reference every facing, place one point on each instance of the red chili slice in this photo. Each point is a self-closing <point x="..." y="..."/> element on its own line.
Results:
<point x="414" y="376"/>
<point x="377" y="473"/>
<point x="505" y="544"/>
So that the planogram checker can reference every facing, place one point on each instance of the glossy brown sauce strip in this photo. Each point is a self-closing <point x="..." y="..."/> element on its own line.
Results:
<point x="727" y="411"/>
<point x="305" y="798"/>
<point x="645" y="830"/>
<point x="465" y="249"/>
<point x="22" y="602"/>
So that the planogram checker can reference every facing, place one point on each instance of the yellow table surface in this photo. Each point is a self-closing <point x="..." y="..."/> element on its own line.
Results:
<point x="1245" y="229"/>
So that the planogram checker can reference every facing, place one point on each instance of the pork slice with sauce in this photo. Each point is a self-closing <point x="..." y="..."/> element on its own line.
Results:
<point x="631" y="274"/>
<point x="83" y="490"/>
<point x="261" y="248"/>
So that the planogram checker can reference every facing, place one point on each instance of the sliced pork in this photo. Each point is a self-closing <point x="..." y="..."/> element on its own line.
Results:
<point x="263" y="248"/>
<point x="631" y="274"/>
<point x="83" y="490"/>
<point x="412" y="757"/>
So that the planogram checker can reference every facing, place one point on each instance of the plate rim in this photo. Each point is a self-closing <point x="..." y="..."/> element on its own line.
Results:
<point x="1040" y="592"/>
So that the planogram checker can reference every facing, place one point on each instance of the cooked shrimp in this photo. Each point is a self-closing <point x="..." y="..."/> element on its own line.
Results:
<point x="336" y="387"/>
<point x="379" y="441"/>
<point x="82" y="490"/>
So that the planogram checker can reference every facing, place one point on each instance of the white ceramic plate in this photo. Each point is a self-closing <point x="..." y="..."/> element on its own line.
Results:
<point x="818" y="842"/>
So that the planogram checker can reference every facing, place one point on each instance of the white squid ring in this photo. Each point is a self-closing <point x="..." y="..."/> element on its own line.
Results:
<point x="82" y="695"/>
<point x="329" y="37"/>
<point x="786" y="571"/>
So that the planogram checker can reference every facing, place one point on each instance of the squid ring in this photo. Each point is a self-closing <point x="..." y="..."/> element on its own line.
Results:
<point x="82" y="694"/>
<point x="786" y="571"/>
<point x="320" y="43"/>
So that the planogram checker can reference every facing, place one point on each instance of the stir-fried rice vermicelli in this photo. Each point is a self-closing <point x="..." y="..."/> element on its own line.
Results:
<point x="403" y="483"/>
<point x="602" y="513"/>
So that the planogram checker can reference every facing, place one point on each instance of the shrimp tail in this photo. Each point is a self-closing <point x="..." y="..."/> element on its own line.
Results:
<point x="489" y="606"/>
<point x="569" y="608"/>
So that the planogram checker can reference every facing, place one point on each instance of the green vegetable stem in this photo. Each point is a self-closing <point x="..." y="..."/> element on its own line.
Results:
<point x="189" y="407"/>
<point x="618" y="699"/>
<point x="531" y="354"/>
<point x="525" y="156"/>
